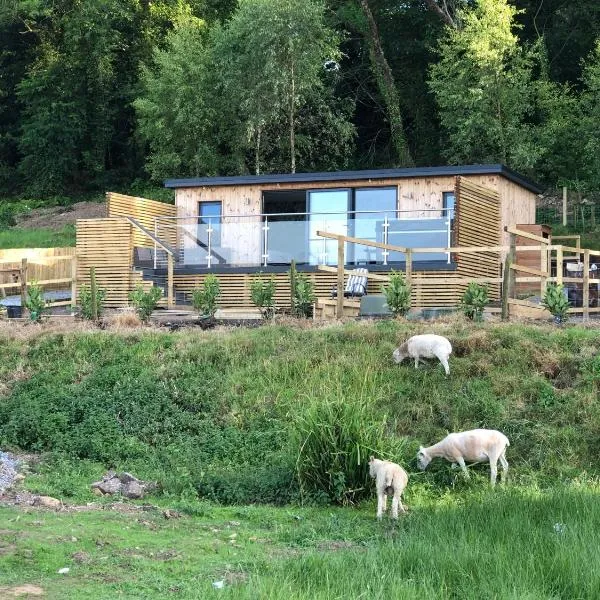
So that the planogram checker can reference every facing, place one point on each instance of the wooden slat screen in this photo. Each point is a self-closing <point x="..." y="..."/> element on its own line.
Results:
<point x="477" y="222"/>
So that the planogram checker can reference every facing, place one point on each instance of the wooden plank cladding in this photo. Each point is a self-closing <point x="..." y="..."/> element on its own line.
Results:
<point x="235" y="288"/>
<point x="43" y="264"/>
<point x="477" y="222"/>
<point x="142" y="210"/>
<point x="107" y="245"/>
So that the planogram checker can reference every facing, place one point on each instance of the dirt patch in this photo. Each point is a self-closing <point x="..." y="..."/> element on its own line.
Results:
<point x="22" y="591"/>
<point x="56" y="217"/>
<point x="336" y="545"/>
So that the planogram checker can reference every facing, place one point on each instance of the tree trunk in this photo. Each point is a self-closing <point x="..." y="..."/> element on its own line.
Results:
<point x="443" y="13"/>
<point x="387" y="88"/>
<point x="257" y="151"/>
<point x="292" y="123"/>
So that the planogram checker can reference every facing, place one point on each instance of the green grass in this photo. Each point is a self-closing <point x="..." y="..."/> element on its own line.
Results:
<point x="481" y="544"/>
<point x="219" y="418"/>
<point x="17" y="237"/>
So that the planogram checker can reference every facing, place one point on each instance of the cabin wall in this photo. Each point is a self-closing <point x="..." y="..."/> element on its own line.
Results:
<point x="518" y="206"/>
<point x="414" y="194"/>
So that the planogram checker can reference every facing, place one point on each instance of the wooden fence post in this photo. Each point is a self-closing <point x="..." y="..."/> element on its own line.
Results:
<point x="543" y="268"/>
<point x="23" y="276"/>
<point x="340" y="278"/>
<point x="93" y="291"/>
<point x="586" y="285"/>
<point x="74" y="282"/>
<point x="170" y="294"/>
<point x="508" y="278"/>
<point x="564" y="206"/>
<point x="559" y="265"/>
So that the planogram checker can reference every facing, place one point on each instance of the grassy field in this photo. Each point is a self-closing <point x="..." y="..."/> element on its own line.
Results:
<point x="233" y="423"/>
<point x="17" y="237"/>
<point x="511" y="543"/>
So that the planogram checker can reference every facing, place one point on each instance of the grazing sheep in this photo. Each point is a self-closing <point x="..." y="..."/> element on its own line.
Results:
<point x="477" y="445"/>
<point x="390" y="480"/>
<point x="425" y="346"/>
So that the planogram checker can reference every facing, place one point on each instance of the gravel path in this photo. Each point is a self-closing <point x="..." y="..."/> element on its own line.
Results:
<point x="8" y="470"/>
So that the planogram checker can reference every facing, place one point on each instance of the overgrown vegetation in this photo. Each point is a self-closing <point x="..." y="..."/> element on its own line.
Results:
<point x="397" y="293"/>
<point x="204" y="298"/>
<point x="87" y="301"/>
<point x="262" y="294"/>
<point x="224" y="416"/>
<point x="17" y="237"/>
<point x="145" y="302"/>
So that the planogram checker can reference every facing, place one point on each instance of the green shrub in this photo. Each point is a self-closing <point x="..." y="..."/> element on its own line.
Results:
<point x="262" y="293"/>
<point x="35" y="303"/>
<point x="335" y="439"/>
<point x="145" y="302"/>
<point x="556" y="302"/>
<point x="85" y="301"/>
<point x="397" y="293"/>
<point x="204" y="299"/>
<point x="7" y="216"/>
<point x="474" y="300"/>
<point x="304" y="296"/>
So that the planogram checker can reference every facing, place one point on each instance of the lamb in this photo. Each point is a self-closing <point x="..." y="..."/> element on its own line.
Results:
<point x="390" y="480"/>
<point x="477" y="445"/>
<point x="425" y="346"/>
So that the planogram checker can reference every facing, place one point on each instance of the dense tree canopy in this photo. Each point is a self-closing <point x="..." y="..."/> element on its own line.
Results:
<point x="95" y="93"/>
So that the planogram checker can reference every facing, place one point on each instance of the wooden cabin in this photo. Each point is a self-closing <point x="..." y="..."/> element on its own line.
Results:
<point x="235" y="227"/>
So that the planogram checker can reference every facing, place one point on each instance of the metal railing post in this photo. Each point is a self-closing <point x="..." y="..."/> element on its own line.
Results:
<point x="209" y="255"/>
<point x="155" y="235"/>
<point x="386" y="225"/>
<point x="448" y="222"/>
<point x="265" y="255"/>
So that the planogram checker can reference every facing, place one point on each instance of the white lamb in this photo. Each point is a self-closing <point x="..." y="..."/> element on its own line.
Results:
<point x="390" y="480"/>
<point x="425" y="346"/>
<point x="476" y="446"/>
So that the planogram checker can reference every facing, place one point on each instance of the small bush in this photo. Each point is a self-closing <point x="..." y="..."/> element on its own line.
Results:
<point x="7" y="216"/>
<point x="204" y="299"/>
<point x="397" y="293"/>
<point x="474" y="300"/>
<point x="35" y="303"/>
<point x="304" y="296"/>
<point x="85" y="301"/>
<point x="335" y="439"/>
<point x="262" y="293"/>
<point x="145" y="302"/>
<point x="556" y="302"/>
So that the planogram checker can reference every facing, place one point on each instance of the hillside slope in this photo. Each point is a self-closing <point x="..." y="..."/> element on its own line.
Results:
<point x="223" y="414"/>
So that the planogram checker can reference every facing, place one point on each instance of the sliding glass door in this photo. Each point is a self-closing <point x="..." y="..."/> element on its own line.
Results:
<point x="328" y="212"/>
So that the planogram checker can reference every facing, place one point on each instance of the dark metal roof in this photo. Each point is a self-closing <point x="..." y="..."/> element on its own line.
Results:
<point x="309" y="178"/>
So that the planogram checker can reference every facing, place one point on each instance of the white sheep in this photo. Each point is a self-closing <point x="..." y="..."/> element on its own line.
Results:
<point x="390" y="480"/>
<point x="476" y="446"/>
<point x="425" y="346"/>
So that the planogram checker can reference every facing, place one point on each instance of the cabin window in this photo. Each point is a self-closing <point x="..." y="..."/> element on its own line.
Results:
<point x="210" y="213"/>
<point x="449" y="204"/>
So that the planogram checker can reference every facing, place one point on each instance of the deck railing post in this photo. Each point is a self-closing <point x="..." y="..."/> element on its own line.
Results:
<point x="170" y="295"/>
<point x="340" y="277"/>
<point x="586" y="285"/>
<point x="543" y="268"/>
<point x="23" y="276"/>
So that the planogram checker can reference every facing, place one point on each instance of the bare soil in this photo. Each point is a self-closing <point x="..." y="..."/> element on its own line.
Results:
<point x="56" y="217"/>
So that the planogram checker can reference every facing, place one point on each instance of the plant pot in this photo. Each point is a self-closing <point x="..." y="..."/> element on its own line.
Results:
<point x="14" y="312"/>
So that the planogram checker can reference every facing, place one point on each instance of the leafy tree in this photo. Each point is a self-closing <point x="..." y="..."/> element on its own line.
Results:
<point x="483" y="88"/>
<point x="270" y="58"/>
<point x="590" y="121"/>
